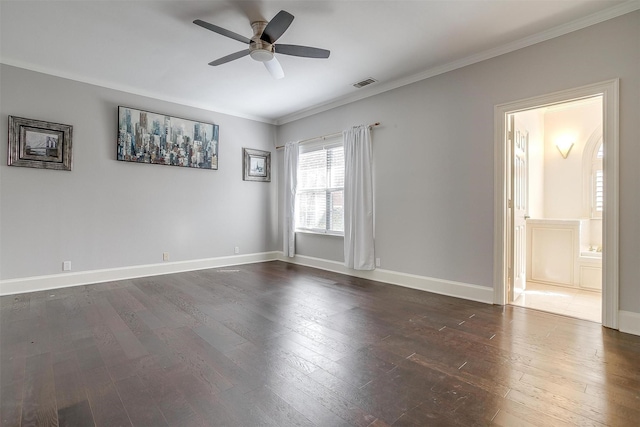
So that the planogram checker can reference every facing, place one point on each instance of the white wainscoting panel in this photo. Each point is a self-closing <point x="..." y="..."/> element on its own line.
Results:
<point x="552" y="256"/>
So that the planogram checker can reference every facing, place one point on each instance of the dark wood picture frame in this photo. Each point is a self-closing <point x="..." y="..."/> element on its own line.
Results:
<point x="39" y="144"/>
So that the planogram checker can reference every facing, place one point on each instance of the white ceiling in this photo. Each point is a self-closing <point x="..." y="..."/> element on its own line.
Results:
<point x="152" y="47"/>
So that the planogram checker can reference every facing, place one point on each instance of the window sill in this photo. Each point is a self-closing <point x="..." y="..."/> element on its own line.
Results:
<point x="318" y="233"/>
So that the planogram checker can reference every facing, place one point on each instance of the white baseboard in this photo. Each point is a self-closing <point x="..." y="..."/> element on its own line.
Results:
<point x="423" y="283"/>
<point x="629" y="322"/>
<point x="65" y="280"/>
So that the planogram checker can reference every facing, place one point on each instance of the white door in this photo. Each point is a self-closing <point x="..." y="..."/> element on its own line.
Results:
<point x="519" y="142"/>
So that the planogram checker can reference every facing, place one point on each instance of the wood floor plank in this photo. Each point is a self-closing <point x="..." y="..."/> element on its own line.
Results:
<point x="219" y="337"/>
<point x="277" y="409"/>
<point x="516" y="414"/>
<point x="307" y="405"/>
<point x="612" y="393"/>
<point x="39" y="401"/>
<point x="106" y="406"/>
<point x="234" y="376"/>
<point x="212" y="410"/>
<point x="138" y="403"/>
<point x="11" y="404"/>
<point x="278" y="344"/>
<point x="13" y="362"/>
<point x="189" y="355"/>
<point x="104" y="400"/>
<point x="493" y="386"/>
<point x="601" y="411"/>
<point x="178" y="412"/>
<point x="71" y="396"/>
<point x="531" y="399"/>
<point x="122" y="301"/>
<point x="145" y="292"/>
<point x="75" y="415"/>
<point x="246" y="409"/>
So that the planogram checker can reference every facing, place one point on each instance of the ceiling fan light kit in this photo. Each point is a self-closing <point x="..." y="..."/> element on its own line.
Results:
<point x="261" y="55"/>
<point x="259" y="49"/>
<point x="262" y="47"/>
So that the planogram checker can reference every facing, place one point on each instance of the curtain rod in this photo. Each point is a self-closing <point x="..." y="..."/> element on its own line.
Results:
<point x="331" y="135"/>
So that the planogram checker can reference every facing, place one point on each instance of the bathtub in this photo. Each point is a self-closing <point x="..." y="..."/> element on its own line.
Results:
<point x="591" y="254"/>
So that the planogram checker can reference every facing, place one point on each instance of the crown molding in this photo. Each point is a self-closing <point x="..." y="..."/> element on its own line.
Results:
<point x="596" y="18"/>
<point x="129" y="89"/>
<point x="604" y="15"/>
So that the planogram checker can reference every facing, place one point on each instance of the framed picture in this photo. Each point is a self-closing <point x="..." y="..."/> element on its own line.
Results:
<point x="256" y="165"/>
<point x="39" y="144"/>
<point x="146" y="137"/>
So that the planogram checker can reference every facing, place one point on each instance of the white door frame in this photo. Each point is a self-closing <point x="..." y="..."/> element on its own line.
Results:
<point x="609" y="92"/>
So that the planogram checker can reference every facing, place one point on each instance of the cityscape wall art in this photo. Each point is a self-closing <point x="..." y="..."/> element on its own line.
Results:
<point x="146" y="137"/>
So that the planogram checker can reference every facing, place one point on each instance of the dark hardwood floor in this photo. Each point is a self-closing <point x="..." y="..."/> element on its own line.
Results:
<point x="282" y="345"/>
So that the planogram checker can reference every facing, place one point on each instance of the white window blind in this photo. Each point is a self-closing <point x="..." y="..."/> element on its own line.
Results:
<point x="597" y="187"/>
<point x="599" y="191"/>
<point x="319" y="204"/>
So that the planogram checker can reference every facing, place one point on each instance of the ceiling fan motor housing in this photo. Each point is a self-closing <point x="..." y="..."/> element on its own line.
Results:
<point x="259" y="49"/>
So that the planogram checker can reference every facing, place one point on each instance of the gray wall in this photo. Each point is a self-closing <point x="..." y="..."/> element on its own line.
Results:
<point x="433" y="170"/>
<point x="111" y="214"/>
<point x="433" y="154"/>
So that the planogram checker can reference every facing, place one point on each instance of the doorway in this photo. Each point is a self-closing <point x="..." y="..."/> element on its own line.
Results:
<point x="505" y="269"/>
<point x="556" y="213"/>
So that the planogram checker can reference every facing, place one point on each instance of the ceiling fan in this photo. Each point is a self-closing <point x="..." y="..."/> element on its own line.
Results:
<point x="262" y="45"/>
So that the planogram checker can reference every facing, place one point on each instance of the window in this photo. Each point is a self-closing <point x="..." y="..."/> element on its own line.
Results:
<point x="593" y="176"/>
<point x="597" y="183"/>
<point x="320" y="192"/>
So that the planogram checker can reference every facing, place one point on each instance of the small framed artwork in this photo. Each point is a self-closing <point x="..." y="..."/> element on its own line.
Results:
<point x="39" y="144"/>
<point x="256" y="165"/>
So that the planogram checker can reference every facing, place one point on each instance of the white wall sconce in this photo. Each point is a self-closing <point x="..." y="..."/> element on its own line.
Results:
<point x="564" y="144"/>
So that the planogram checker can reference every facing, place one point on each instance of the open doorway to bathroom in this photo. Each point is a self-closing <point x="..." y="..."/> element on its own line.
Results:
<point x="557" y="157"/>
<point x="504" y="253"/>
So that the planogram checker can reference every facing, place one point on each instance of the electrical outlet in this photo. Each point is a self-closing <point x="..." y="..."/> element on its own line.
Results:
<point x="66" y="266"/>
<point x="236" y="250"/>
<point x="165" y="256"/>
<point x="377" y="262"/>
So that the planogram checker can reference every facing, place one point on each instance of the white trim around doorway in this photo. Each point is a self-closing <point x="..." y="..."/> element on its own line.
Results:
<point x="610" y="229"/>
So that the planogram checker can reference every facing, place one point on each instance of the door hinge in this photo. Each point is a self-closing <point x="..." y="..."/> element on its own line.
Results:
<point x="509" y="203"/>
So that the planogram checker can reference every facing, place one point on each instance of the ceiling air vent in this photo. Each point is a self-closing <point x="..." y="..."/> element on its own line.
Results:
<point x="365" y="82"/>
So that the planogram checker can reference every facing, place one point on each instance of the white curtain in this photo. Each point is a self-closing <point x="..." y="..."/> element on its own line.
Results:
<point x="358" y="199"/>
<point x="290" y="185"/>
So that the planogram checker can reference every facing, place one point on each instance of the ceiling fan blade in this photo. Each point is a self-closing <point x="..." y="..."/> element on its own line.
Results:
<point x="222" y="31"/>
<point x="274" y="68"/>
<point x="230" y="58"/>
<point x="305" y="51"/>
<point x="277" y="26"/>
